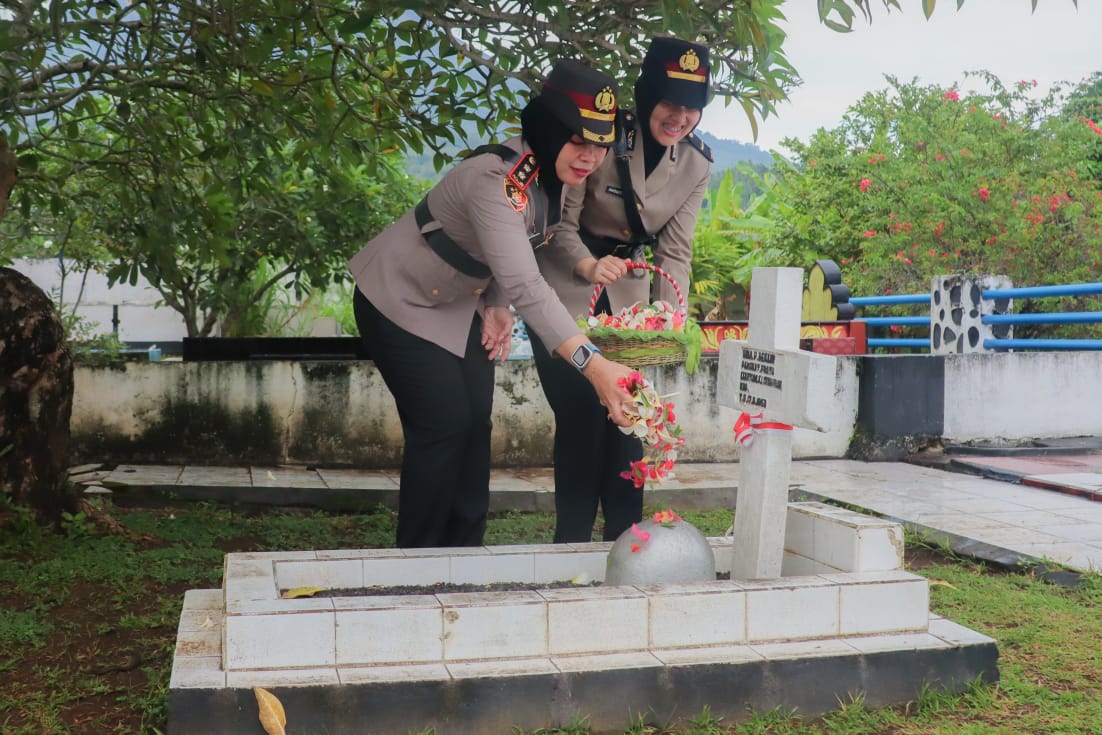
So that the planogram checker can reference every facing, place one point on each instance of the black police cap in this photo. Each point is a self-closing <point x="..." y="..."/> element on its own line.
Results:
<point x="584" y="100"/>
<point x="678" y="71"/>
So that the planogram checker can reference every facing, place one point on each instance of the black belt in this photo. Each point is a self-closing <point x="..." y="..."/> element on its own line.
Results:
<point x="599" y="246"/>
<point x="446" y="247"/>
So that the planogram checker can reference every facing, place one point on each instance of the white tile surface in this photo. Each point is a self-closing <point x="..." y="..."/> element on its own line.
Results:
<point x="899" y="642"/>
<point x="197" y="672"/>
<point x="707" y="655"/>
<point x="489" y="568"/>
<point x="597" y="623"/>
<point x="279" y="641"/>
<point x="501" y="625"/>
<point x="317" y="676"/>
<point x="697" y="619"/>
<point x="879" y="548"/>
<point x="199" y="643"/>
<point x="398" y="635"/>
<point x="956" y="634"/>
<point x="606" y="661"/>
<point x="555" y="567"/>
<point x="406" y="570"/>
<point x="884" y="607"/>
<point x="804" y="649"/>
<point x="407" y="672"/>
<point x="513" y="667"/>
<point x="807" y="610"/>
<point x="328" y="574"/>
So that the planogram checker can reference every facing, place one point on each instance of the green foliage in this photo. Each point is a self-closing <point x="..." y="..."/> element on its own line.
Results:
<point x="919" y="181"/>
<point x="730" y="238"/>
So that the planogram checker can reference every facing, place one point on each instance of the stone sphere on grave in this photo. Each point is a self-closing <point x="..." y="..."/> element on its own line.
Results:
<point x="661" y="550"/>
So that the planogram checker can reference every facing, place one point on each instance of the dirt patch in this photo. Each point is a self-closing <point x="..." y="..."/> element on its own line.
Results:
<point x="445" y="587"/>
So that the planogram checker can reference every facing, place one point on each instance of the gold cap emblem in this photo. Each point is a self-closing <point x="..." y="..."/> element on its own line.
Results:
<point x="689" y="61"/>
<point x="605" y="101"/>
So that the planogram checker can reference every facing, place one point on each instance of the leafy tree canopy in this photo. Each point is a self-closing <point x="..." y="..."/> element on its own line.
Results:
<point x="170" y="134"/>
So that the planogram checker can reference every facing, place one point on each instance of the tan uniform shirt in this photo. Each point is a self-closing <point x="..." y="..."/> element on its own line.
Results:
<point x="670" y="197"/>
<point x="413" y="286"/>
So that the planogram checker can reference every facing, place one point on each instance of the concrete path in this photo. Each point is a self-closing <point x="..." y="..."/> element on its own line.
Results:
<point x="1010" y="510"/>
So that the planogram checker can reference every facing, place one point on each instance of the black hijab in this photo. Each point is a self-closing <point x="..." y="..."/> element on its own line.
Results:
<point x="546" y="136"/>
<point x="645" y="101"/>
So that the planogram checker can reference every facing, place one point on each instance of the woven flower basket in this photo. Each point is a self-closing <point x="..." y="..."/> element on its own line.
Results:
<point x="642" y="348"/>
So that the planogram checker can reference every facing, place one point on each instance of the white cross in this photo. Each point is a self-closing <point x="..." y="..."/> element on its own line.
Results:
<point x="770" y="375"/>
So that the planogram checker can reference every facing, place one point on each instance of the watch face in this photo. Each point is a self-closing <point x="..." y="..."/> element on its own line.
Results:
<point x="581" y="356"/>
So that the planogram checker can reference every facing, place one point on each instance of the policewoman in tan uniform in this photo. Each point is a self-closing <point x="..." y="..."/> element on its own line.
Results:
<point x="433" y="291"/>
<point x="660" y="171"/>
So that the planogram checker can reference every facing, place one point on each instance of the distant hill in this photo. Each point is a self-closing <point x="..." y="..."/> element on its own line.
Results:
<point x="729" y="152"/>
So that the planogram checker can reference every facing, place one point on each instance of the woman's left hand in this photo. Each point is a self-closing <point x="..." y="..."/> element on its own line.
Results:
<point x="497" y="331"/>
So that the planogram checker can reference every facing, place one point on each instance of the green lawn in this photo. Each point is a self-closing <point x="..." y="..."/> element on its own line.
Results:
<point x="88" y="624"/>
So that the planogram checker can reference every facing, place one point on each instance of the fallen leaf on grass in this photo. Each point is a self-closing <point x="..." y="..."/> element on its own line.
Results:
<point x="272" y="717"/>
<point x="301" y="592"/>
<point x="941" y="583"/>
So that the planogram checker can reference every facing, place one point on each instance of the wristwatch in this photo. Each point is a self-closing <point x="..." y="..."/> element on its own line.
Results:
<point x="583" y="354"/>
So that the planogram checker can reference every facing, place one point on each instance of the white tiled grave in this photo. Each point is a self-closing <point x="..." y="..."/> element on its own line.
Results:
<point x="844" y="589"/>
<point x="845" y="620"/>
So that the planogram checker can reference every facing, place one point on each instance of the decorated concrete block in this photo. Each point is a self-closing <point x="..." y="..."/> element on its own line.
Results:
<point x="826" y="298"/>
<point x="957" y="308"/>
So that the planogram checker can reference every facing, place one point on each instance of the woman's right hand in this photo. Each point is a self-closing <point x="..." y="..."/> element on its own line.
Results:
<point x="603" y="271"/>
<point x="607" y="378"/>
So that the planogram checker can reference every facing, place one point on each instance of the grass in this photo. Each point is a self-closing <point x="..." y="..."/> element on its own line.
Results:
<point x="88" y="624"/>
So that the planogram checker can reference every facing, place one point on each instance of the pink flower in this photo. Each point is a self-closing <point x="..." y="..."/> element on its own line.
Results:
<point x="865" y="184"/>
<point x="870" y="233"/>
<point x="952" y="96"/>
<point x="983" y="193"/>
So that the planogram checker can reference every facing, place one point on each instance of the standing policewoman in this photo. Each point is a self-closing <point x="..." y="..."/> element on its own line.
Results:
<point x="647" y="195"/>
<point x="433" y="294"/>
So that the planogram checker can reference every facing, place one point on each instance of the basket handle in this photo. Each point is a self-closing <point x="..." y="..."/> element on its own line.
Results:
<point x="645" y="266"/>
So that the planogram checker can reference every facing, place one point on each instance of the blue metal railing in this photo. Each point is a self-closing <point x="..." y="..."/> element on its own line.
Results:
<point x="1039" y="292"/>
<point x="896" y="321"/>
<point x="1025" y="292"/>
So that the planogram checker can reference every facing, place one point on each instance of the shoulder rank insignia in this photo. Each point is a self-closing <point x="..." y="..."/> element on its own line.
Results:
<point x="628" y="121"/>
<point x="704" y="149"/>
<point x="523" y="172"/>
<point x="515" y="195"/>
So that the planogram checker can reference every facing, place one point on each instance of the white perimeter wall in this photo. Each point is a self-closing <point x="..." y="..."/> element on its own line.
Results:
<point x="1021" y="396"/>
<point x="140" y="317"/>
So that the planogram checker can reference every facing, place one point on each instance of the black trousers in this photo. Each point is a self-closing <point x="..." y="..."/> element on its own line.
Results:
<point x="590" y="453"/>
<point x="444" y="403"/>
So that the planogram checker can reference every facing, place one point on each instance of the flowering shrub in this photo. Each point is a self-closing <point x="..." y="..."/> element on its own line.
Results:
<point x="654" y="423"/>
<point x="919" y="181"/>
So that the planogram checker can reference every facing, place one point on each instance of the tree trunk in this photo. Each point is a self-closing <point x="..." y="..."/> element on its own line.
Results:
<point x="36" y="400"/>
<point x="9" y="165"/>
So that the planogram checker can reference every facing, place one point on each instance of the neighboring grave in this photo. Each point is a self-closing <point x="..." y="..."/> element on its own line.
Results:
<point x="769" y="375"/>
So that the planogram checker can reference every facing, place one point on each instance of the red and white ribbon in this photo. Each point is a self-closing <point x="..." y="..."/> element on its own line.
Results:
<point x="747" y="425"/>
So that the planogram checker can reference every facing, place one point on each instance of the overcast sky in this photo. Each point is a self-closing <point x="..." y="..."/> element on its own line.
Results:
<point x="1057" y="43"/>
